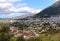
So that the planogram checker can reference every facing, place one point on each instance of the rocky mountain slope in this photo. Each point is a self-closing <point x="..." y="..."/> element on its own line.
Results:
<point x="52" y="10"/>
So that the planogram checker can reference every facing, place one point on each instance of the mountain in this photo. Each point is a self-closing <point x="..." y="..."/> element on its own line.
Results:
<point x="3" y="18"/>
<point x="52" y="10"/>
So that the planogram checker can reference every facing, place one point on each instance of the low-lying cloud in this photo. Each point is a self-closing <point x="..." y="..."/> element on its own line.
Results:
<point x="8" y="9"/>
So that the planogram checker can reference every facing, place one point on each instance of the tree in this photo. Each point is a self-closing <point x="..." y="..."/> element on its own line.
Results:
<point x="21" y="38"/>
<point x="4" y="32"/>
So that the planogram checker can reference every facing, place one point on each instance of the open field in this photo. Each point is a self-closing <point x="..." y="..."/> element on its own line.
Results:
<point x="50" y="37"/>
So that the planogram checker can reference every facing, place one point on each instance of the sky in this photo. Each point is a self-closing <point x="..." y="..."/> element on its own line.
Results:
<point x="14" y="8"/>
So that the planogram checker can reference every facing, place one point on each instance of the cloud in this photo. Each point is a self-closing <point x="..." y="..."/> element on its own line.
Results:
<point x="57" y="0"/>
<point x="5" y="5"/>
<point x="9" y="10"/>
<point x="2" y="1"/>
<point x="13" y="0"/>
<point x="13" y="12"/>
<point x="21" y="5"/>
<point x="9" y="0"/>
<point x="27" y="10"/>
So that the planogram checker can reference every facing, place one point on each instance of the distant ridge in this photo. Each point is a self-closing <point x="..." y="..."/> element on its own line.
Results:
<point x="2" y="18"/>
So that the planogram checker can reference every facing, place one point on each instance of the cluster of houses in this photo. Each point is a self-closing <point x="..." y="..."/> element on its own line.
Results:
<point x="15" y="31"/>
<point x="27" y="33"/>
<point x="35" y="27"/>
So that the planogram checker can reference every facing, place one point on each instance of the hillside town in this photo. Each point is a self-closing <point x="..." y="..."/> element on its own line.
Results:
<point x="34" y="26"/>
<point x="29" y="28"/>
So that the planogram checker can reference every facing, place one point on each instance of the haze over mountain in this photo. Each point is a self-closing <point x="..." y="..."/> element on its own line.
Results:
<point x="52" y="10"/>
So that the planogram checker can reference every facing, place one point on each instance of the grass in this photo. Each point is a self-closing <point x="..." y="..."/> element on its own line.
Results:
<point x="50" y="37"/>
<point x="13" y="39"/>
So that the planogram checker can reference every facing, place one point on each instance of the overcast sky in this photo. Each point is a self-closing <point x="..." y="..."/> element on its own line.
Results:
<point x="14" y="8"/>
